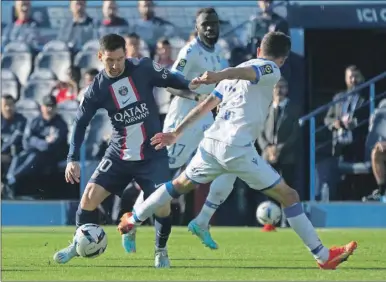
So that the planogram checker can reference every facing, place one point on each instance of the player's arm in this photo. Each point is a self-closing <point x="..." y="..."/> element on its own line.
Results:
<point x="17" y="136"/>
<point x="211" y="102"/>
<point x="85" y="113"/>
<point x="250" y="73"/>
<point x="191" y="95"/>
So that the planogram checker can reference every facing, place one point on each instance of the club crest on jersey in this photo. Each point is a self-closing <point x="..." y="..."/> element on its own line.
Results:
<point x="266" y="69"/>
<point x="181" y="64"/>
<point x="157" y="66"/>
<point x="123" y="90"/>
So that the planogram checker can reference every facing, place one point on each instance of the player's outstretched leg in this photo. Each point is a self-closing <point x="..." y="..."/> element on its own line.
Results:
<point x="86" y="213"/>
<point x="289" y="198"/>
<point x="219" y="191"/>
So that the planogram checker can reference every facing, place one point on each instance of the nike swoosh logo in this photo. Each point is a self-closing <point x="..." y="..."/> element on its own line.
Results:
<point x="124" y="102"/>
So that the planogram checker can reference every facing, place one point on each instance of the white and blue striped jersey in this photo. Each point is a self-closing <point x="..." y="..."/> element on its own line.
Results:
<point x="244" y="105"/>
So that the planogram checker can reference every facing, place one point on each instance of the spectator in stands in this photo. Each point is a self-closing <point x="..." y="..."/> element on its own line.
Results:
<point x="133" y="46"/>
<point x="24" y="29"/>
<point x="88" y="78"/>
<point x="342" y="119"/>
<point x="69" y="89"/>
<point x="267" y="20"/>
<point x="163" y="57"/>
<point x="151" y="27"/>
<point x="111" y="22"/>
<point x="12" y="128"/>
<point x="45" y="144"/>
<point x="80" y="28"/>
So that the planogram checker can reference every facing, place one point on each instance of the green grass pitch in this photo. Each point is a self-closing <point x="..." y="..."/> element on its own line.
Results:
<point x="244" y="254"/>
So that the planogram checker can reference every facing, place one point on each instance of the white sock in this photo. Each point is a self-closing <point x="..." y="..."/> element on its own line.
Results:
<point x="157" y="199"/>
<point x="219" y="191"/>
<point x="303" y="227"/>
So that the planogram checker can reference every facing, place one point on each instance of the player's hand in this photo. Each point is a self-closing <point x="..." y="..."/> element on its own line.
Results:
<point x="72" y="173"/>
<point x="209" y="77"/>
<point x="161" y="140"/>
<point x="194" y="84"/>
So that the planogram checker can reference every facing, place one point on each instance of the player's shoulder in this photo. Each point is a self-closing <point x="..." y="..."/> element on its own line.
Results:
<point x="191" y="48"/>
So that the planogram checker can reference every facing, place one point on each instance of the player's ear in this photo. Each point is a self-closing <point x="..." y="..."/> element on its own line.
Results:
<point x="258" y="51"/>
<point x="100" y="56"/>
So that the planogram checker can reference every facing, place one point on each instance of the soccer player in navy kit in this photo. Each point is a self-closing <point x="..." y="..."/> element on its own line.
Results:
<point x="125" y="89"/>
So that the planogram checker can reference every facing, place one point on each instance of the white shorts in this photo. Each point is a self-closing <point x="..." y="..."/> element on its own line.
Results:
<point x="214" y="158"/>
<point x="180" y="153"/>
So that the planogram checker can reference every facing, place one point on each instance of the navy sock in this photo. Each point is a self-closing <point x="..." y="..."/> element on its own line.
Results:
<point x="83" y="217"/>
<point x="163" y="228"/>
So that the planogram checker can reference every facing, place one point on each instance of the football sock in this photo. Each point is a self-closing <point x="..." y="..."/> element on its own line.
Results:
<point x="303" y="227"/>
<point x="163" y="228"/>
<point x="164" y="194"/>
<point x="206" y="213"/>
<point x="83" y="217"/>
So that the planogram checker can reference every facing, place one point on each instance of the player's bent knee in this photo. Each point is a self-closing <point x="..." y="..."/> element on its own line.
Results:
<point x="93" y="196"/>
<point x="183" y="185"/>
<point x="163" y="211"/>
<point x="283" y="194"/>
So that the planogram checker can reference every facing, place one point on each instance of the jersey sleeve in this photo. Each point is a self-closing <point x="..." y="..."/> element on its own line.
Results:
<point x="185" y="61"/>
<point x="266" y="73"/>
<point x="85" y="113"/>
<point x="162" y="77"/>
<point x="220" y="90"/>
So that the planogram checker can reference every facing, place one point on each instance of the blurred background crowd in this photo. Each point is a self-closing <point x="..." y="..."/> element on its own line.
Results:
<point x="48" y="59"/>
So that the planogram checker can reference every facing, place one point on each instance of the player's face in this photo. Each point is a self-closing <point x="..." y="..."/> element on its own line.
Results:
<point x="353" y="78"/>
<point x="163" y="51"/>
<point x="7" y="108"/>
<point x="208" y="28"/>
<point x="280" y="90"/>
<point x="109" y="9"/>
<point x="132" y="47"/>
<point x="113" y="61"/>
<point x="265" y="5"/>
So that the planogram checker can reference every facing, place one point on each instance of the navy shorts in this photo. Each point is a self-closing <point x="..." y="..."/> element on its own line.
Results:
<point x="114" y="174"/>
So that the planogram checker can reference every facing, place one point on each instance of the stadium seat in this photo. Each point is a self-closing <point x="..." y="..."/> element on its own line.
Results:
<point x="9" y="84"/>
<point x="13" y="47"/>
<point x="36" y="89"/>
<point x="92" y="45"/>
<point x="87" y="59"/>
<point x="55" y="46"/>
<point x="42" y="74"/>
<point x="28" y="107"/>
<point x="57" y="62"/>
<point x="19" y="62"/>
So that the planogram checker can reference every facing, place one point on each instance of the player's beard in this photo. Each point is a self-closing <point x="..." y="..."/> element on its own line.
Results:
<point x="211" y="41"/>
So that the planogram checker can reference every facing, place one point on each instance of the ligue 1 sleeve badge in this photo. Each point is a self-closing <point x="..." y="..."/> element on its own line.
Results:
<point x="157" y="66"/>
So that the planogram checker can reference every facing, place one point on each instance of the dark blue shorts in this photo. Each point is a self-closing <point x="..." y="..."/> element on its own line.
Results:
<point x="114" y="174"/>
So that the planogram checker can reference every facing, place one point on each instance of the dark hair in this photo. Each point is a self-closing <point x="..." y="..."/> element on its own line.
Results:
<point x="75" y="73"/>
<point x="132" y="35"/>
<point x="8" y="97"/>
<point x="112" y="42"/>
<point x="208" y="10"/>
<point x="164" y="41"/>
<point x="276" y="44"/>
<point x="92" y="72"/>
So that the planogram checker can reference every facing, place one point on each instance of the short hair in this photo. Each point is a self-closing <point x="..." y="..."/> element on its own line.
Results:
<point x="164" y="41"/>
<point x="352" y="68"/>
<point x="276" y="44"/>
<point x="208" y="10"/>
<point x="92" y="72"/>
<point x="112" y="42"/>
<point x="132" y="35"/>
<point x="8" y="97"/>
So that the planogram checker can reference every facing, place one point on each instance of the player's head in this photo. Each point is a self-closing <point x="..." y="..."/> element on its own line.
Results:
<point x="112" y="53"/>
<point x="164" y="49"/>
<point x="265" y="5"/>
<point x="78" y="8"/>
<point x="353" y="76"/>
<point x="208" y="26"/>
<point x="7" y="106"/>
<point x="275" y="46"/>
<point x="280" y="90"/>
<point x="48" y="107"/>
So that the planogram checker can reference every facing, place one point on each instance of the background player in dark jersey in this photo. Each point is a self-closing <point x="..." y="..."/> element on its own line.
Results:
<point x="125" y="89"/>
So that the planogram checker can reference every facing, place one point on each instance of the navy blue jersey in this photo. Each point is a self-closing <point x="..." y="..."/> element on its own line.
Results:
<point x="131" y="107"/>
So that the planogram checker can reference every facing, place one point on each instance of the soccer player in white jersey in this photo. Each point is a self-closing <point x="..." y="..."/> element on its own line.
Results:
<point x="244" y="95"/>
<point x="200" y="55"/>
